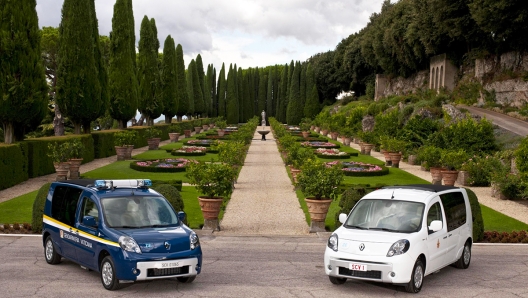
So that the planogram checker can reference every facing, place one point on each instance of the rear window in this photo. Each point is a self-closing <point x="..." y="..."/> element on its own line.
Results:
<point x="64" y="204"/>
<point x="455" y="209"/>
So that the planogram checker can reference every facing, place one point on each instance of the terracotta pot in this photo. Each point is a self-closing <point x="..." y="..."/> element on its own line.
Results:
<point x="367" y="148"/>
<point x="220" y="132"/>
<point x="412" y="159"/>
<point x="128" y="154"/>
<point x="388" y="161"/>
<point x="324" y="132"/>
<point x="205" y="127"/>
<point x="463" y="178"/>
<point x="334" y="135"/>
<point x="75" y="164"/>
<point x="395" y="159"/>
<point x="449" y="177"/>
<point x="312" y="127"/>
<point x="317" y="129"/>
<point x="346" y="141"/>
<point x="121" y="152"/>
<point x="187" y="133"/>
<point x="318" y="208"/>
<point x="153" y="144"/>
<point x="436" y="174"/>
<point x="210" y="207"/>
<point x="62" y="169"/>
<point x="197" y="129"/>
<point x="294" y="173"/>
<point x="174" y="136"/>
<point x="305" y="134"/>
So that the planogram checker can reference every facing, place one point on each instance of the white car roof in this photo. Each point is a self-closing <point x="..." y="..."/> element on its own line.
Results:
<point x="413" y="193"/>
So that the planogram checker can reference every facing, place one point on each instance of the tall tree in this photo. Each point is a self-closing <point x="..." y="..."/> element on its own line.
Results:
<point x="189" y="75"/>
<point x="284" y="94"/>
<point x="78" y="85"/>
<point x="246" y="98"/>
<point x="271" y="93"/>
<point x="181" y="84"/>
<point x="302" y="85"/>
<point x="201" y="80"/>
<point x="240" y="95"/>
<point x="295" y="111"/>
<point x="22" y="86"/>
<point x="199" y="106"/>
<point x="123" y="84"/>
<point x="231" y="97"/>
<point x="150" y="104"/>
<point x="262" y="90"/>
<point x="208" y="95"/>
<point x="222" y="90"/>
<point x="168" y="80"/>
<point x="132" y="33"/>
<point x="311" y="107"/>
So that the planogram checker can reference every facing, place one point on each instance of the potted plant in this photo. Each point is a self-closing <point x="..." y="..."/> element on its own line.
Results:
<point x="76" y="149"/>
<point x="174" y="133"/>
<point x="59" y="154"/>
<point x="131" y="136"/>
<point x="324" y="128"/>
<point x="153" y="138"/>
<point x="395" y="149"/>
<point x="305" y="127"/>
<point x="346" y="135"/>
<point x="452" y="161"/>
<point x="221" y="124"/>
<point x="121" y="140"/>
<point x="296" y="157"/>
<point x="214" y="181"/>
<point x="432" y="155"/>
<point x="319" y="184"/>
<point x="368" y="139"/>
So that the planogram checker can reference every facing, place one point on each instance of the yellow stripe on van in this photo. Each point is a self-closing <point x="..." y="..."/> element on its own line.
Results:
<point x="69" y="229"/>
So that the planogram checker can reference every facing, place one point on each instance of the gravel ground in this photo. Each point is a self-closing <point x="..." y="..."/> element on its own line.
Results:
<point x="263" y="202"/>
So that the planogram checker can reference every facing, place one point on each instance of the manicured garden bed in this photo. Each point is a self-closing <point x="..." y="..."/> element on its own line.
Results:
<point x="169" y="165"/>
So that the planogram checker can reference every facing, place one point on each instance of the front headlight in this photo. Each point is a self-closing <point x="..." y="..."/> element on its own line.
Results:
<point x="399" y="248"/>
<point x="129" y="244"/>
<point x="195" y="242"/>
<point x="333" y="241"/>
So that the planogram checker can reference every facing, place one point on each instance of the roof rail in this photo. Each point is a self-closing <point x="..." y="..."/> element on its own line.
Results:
<point x="425" y="187"/>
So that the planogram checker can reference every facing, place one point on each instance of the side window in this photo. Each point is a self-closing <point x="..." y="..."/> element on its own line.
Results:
<point x="434" y="213"/>
<point x="89" y="208"/>
<point x="64" y="204"/>
<point x="455" y="209"/>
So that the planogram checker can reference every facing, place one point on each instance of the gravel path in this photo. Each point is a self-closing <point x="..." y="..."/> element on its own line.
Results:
<point x="263" y="202"/>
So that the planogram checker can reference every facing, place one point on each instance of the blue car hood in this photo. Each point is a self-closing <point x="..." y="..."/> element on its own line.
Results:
<point x="160" y="240"/>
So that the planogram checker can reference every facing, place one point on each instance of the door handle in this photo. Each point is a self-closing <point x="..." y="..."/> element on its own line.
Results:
<point x="445" y="237"/>
<point x="450" y="235"/>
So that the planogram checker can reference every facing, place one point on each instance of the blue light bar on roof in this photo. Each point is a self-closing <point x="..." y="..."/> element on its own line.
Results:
<point x="103" y="184"/>
<point x="144" y="182"/>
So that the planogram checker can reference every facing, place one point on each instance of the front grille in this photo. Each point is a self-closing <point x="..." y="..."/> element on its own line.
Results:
<point x="167" y="271"/>
<point x="362" y="274"/>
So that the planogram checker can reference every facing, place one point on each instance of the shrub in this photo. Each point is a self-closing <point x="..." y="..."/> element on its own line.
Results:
<point x="521" y="156"/>
<point x="431" y="155"/>
<point x="38" y="208"/>
<point x="349" y="198"/>
<point x="13" y="165"/>
<point x="478" y="222"/>
<point x="453" y="159"/>
<point x="172" y="195"/>
<point x="480" y="169"/>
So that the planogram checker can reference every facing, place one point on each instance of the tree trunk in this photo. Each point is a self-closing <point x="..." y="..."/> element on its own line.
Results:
<point x="77" y="128"/>
<point x="86" y="128"/>
<point x="179" y="118"/>
<point x="58" y="122"/>
<point x="141" y="120"/>
<point x="168" y="120"/>
<point x="9" y="133"/>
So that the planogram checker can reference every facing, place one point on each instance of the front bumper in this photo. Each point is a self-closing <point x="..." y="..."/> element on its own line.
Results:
<point x="167" y="269"/>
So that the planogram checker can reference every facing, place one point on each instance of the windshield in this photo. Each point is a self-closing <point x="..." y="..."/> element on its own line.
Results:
<point x="138" y="212"/>
<point x="386" y="215"/>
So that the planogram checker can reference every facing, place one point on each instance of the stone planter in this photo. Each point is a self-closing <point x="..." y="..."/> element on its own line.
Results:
<point x="75" y="164"/>
<point x="174" y="136"/>
<point x="211" y="209"/>
<point x="436" y="174"/>
<point x="334" y="135"/>
<point x="318" y="210"/>
<point x="205" y="127"/>
<point x="121" y="152"/>
<point x="395" y="159"/>
<point x="197" y="129"/>
<point x="317" y="129"/>
<point x="449" y="177"/>
<point x="312" y="127"/>
<point x="187" y="133"/>
<point x="367" y="148"/>
<point x="305" y="134"/>
<point x="153" y="144"/>
<point x="463" y="177"/>
<point x="220" y="132"/>
<point x="346" y="141"/>
<point x="324" y="132"/>
<point x="128" y="154"/>
<point x="62" y="169"/>
<point x="388" y="161"/>
<point x="294" y="173"/>
<point x="412" y="160"/>
<point x="496" y="193"/>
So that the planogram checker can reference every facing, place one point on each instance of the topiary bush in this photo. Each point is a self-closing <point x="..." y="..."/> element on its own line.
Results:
<point x="172" y="195"/>
<point x="38" y="208"/>
<point x="478" y="222"/>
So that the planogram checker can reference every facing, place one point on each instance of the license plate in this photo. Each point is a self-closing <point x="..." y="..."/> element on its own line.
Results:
<point x="170" y="264"/>
<point x="358" y="267"/>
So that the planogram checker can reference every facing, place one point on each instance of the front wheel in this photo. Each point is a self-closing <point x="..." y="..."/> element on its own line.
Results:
<point x="416" y="282"/>
<point x="337" y="280"/>
<point x="51" y="255"/>
<point x="108" y="277"/>
<point x="465" y="258"/>
<point x="186" y="279"/>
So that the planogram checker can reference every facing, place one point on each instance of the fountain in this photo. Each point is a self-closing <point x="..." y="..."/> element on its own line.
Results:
<point x="263" y="132"/>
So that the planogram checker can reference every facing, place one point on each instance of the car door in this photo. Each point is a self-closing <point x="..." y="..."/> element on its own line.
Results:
<point x="436" y="241"/>
<point x="455" y="211"/>
<point x="87" y="245"/>
<point x="63" y="209"/>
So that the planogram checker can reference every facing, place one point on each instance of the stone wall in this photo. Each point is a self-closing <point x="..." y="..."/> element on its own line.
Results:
<point x="398" y="86"/>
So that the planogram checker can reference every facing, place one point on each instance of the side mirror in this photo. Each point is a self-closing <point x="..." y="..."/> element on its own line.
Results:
<point x="89" y="221"/>
<point x="436" y="225"/>
<point x="342" y="217"/>
<point x="181" y="216"/>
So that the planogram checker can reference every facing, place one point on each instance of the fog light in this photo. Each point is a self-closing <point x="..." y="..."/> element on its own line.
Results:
<point x="393" y="274"/>
<point x="135" y="271"/>
<point x="330" y="267"/>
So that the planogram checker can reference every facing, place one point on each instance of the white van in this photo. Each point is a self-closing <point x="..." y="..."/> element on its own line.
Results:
<point x="400" y="234"/>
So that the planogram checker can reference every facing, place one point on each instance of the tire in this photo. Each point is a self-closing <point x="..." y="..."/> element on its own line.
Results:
<point x="417" y="276"/>
<point x="108" y="277"/>
<point x="50" y="254"/>
<point x="337" y="280"/>
<point x="465" y="258"/>
<point x="186" y="279"/>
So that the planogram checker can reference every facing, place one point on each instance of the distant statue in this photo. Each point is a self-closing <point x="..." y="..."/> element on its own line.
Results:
<point x="263" y="114"/>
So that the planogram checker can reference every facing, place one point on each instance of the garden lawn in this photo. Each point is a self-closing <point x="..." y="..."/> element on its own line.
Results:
<point x="496" y="221"/>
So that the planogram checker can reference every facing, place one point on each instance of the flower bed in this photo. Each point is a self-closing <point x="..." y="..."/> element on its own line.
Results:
<point x="169" y="165"/>
<point x="360" y="169"/>
<point x="319" y="145"/>
<point x="189" y="151"/>
<point x="311" y="139"/>
<point x="204" y="143"/>
<point x="212" y="137"/>
<point x="505" y="237"/>
<point x="332" y="153"/>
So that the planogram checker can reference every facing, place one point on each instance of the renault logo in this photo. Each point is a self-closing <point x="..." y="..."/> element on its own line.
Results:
<point x="361" y="246"/>
<point x="167" y="245"/>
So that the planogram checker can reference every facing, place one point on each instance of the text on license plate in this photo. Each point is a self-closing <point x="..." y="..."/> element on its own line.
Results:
<point x="358" y="267"/>
<point x="170" y="264"/>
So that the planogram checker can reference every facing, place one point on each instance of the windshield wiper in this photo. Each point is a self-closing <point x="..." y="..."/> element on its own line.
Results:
<point x="385" y="229"/>
<point x="356" y="227"/>
<point x="125" y="227"/>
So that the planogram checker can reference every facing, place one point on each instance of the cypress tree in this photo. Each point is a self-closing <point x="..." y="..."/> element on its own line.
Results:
<point x="23" y="86"/>
<point x="199" y="106"/>
<point x="302" y="87"/>
<point x="123" y="85"/>
<point x="132" y="34"/>
<point x="201" y="80"/>
<point x="270" y="101"/>
<point x="231" y="97"/>
<point x="182" y="99"/>
<point x="208" y="99"/>
<point x="190" y="88"/>
<point x="78" y="86"/>
<point x="248" y="104"/>
<point x="283" y="103"/>
<point x="295" y="111"/>
<point x="100" y="63"/>
<point x="168" y="80"/>
<point x="262" y="90"/>
<point x="311" y="108"/>
<point x="222" y="90"/>
<point x="150" y="104"/>
<point x="214" y="96"/>
<point x="256" y="80"/>
<point x="240" y="95"/>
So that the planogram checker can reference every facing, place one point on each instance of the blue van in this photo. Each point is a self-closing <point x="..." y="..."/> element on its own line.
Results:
<point x="121" y="229"/>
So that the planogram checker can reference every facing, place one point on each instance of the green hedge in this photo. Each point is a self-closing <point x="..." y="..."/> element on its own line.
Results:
<point x="104" y="143"/>
<point x="13" y="165"/>
<point x="478" y="222"/>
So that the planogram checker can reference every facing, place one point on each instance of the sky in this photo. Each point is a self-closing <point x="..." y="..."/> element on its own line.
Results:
<point x="249" y="33"/>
